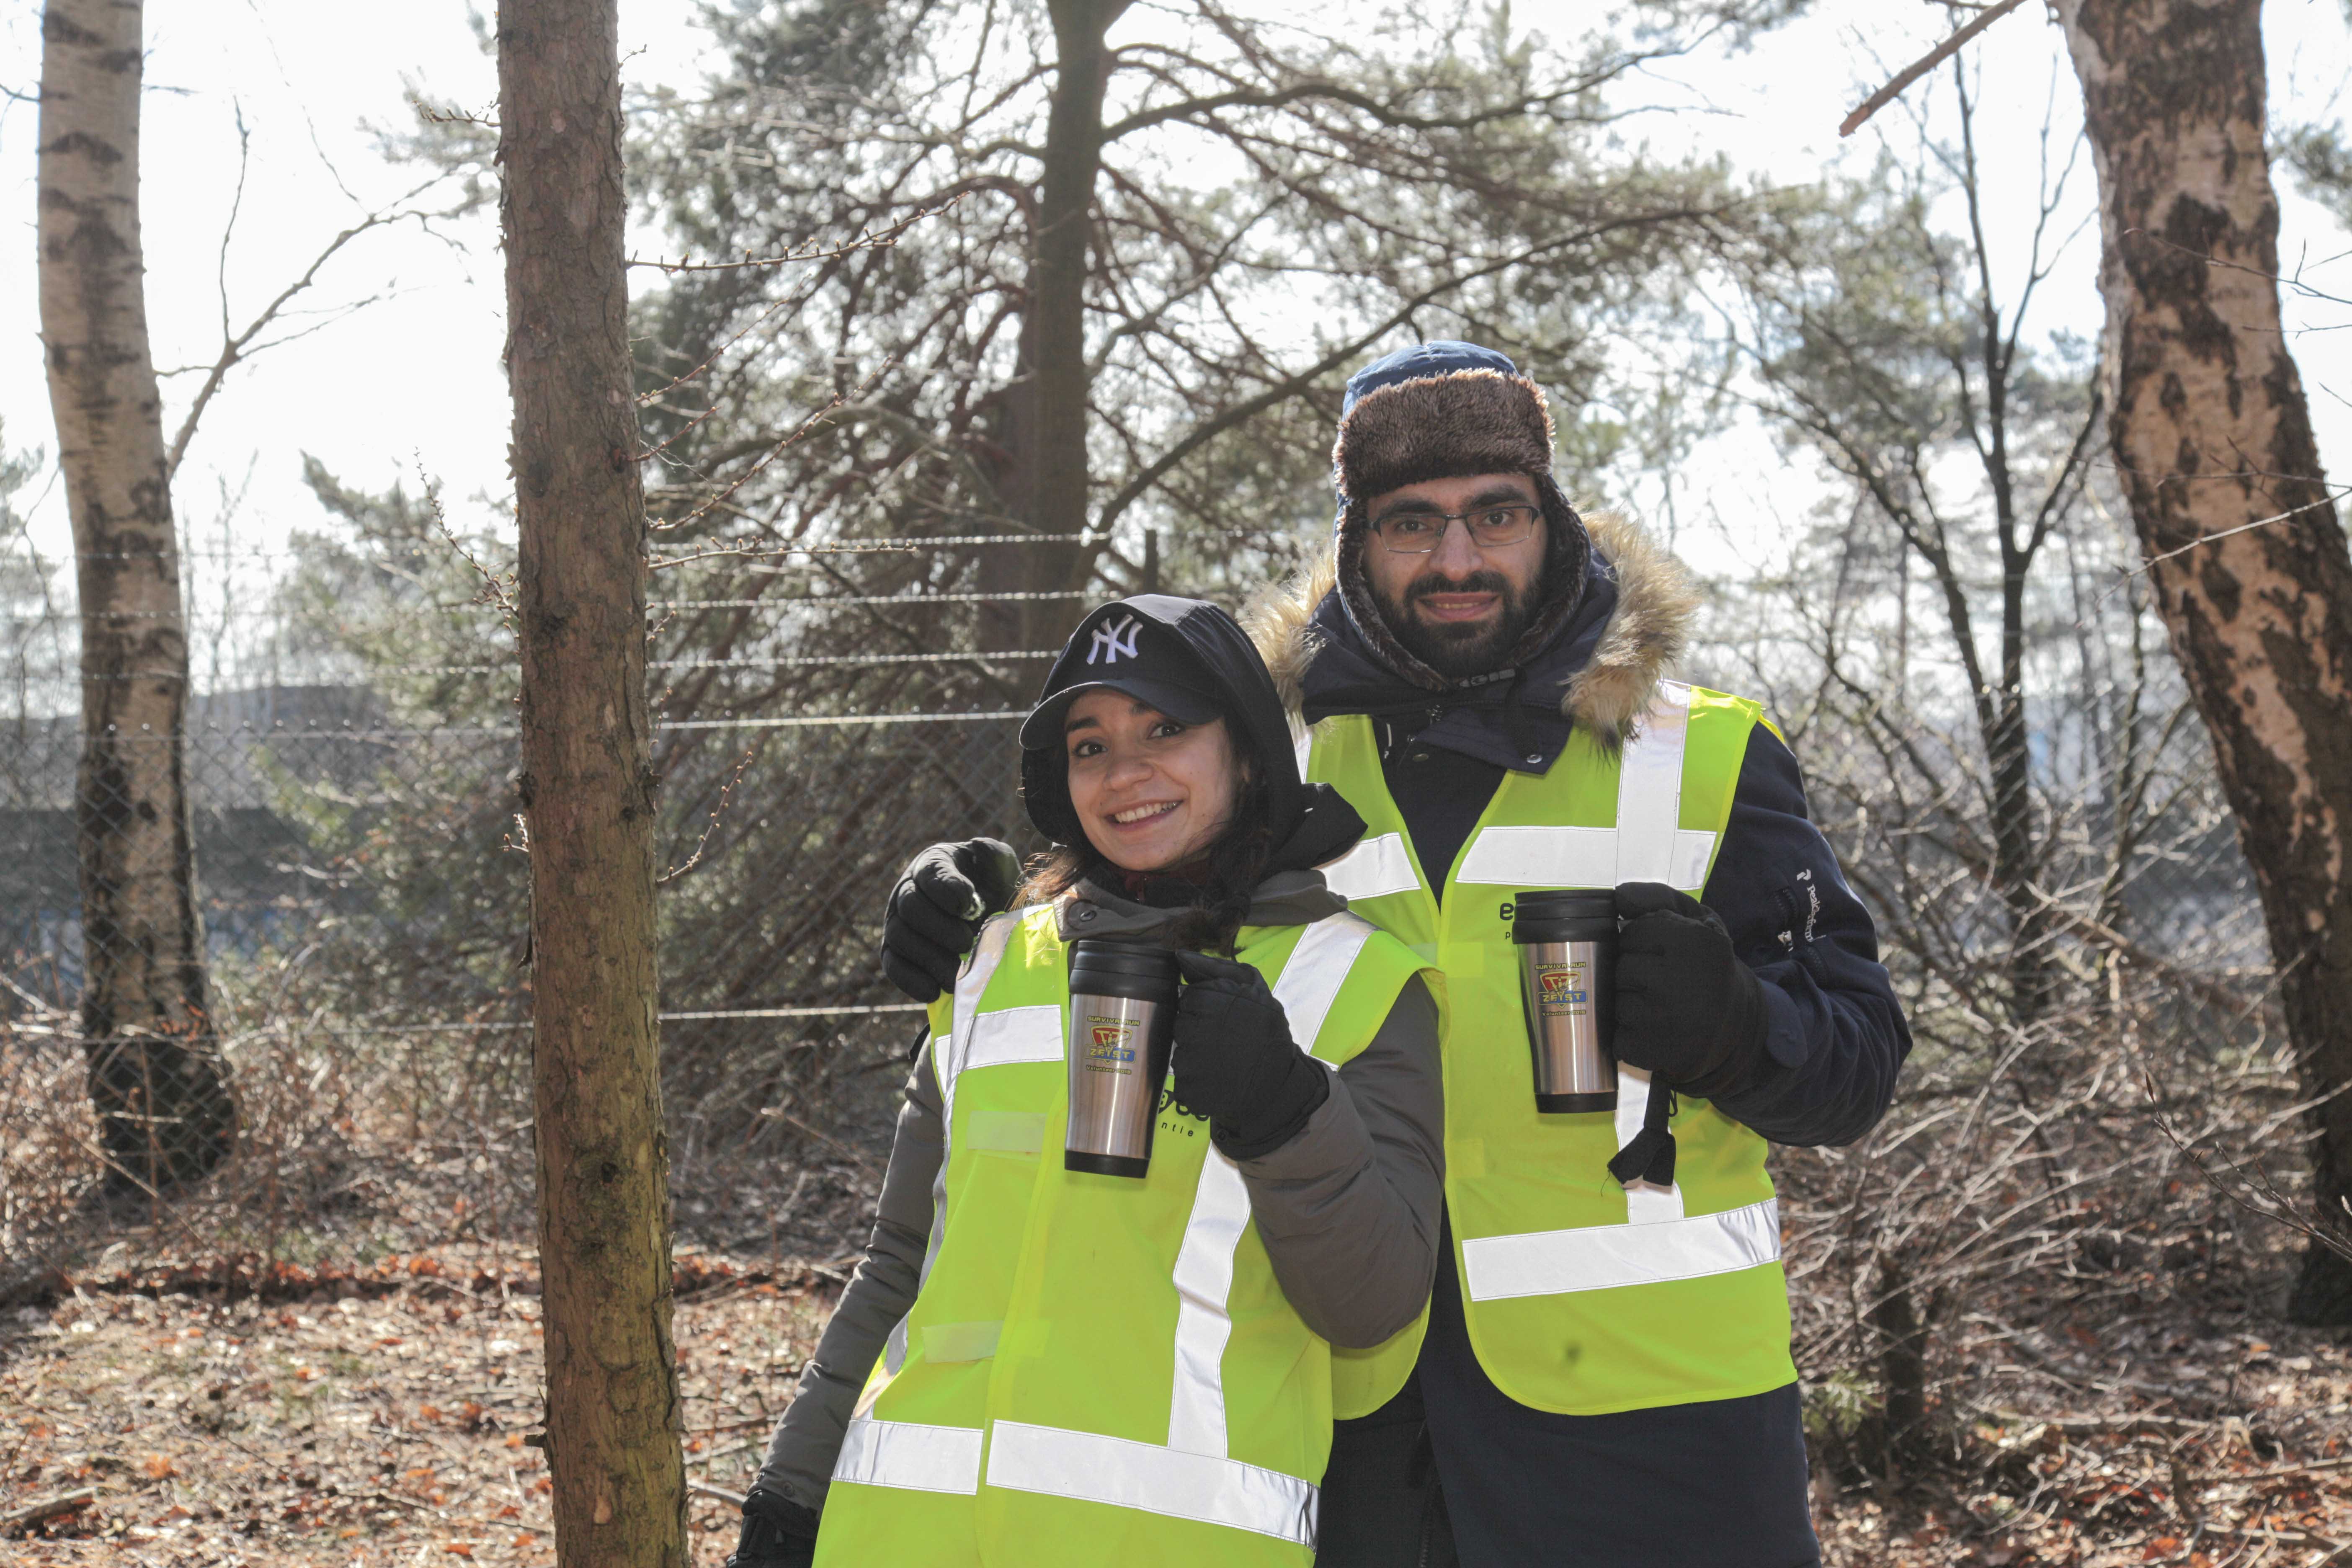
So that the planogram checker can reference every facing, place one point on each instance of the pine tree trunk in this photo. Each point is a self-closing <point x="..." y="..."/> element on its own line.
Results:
<point x="156" y="1077"/>
<point x="587" y="793"/>
<point x="2210" y="432"/>
<point x="1050" y="402"/>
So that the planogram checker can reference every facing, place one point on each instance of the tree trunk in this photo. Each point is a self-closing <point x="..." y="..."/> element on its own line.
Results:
<point x="156" y="1078"/>
<point x="587" y="791"/>
<point x="1050" y="414"/>
<point x="2017" y="839"/>
<point x="2211" y="433"/>
<point x="1902" y="1372"/>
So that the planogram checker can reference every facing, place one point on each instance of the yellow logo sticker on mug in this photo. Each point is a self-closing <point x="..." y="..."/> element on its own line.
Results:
<point x="1110" y="1045"/>
<point x="1560" y="990"/>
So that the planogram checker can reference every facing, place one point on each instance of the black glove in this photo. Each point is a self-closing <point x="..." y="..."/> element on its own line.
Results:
<point x="777" y="1534"/>
<point x="1235" y="1063"/>
<point x="1687" y="1009"/>
<point x="934" y="911"/>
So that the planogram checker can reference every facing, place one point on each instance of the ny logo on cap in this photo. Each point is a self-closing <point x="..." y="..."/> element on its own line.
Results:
<point x="1112" y="641"/>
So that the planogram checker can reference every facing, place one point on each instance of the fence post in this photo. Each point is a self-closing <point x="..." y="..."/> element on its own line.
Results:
<point x="587" y="793"/>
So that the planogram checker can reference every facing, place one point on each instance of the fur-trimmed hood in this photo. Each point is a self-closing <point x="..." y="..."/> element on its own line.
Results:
<point x="1644" y="635"/>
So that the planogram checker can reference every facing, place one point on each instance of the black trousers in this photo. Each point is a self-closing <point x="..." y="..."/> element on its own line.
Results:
<point x="1381" y="1505"/>
<point x="1717" y="1485"/>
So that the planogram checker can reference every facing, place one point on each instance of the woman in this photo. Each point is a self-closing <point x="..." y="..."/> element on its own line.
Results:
<point x="1041" y="1366"/>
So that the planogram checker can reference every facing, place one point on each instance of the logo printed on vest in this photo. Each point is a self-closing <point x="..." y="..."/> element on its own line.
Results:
<point x="1110" y="1045"/>
<point x="1561" y="991"/>
<point x="1112" y="641"/>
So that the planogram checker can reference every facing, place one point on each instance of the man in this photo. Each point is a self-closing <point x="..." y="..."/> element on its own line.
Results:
<point x="1603" y="1374"/>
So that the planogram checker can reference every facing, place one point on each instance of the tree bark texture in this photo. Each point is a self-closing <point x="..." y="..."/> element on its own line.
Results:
<point x="1049" y="421"/>
<point x="587" y="793"/>
<point x="2210" y="432"/>
<point x="156" y="1077"/>
<point x="1902" y="1371"/>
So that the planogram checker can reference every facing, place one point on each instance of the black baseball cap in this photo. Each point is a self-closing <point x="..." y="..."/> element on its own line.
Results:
<point x="1192" y="662"/>
<point x="1123" y="646"/>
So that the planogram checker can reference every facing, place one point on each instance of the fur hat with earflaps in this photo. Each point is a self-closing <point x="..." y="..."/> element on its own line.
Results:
<point x="1439" y="411"/>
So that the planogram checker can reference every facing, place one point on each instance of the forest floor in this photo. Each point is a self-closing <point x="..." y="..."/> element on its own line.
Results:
<point x="378" y="1416"/>
<point x="200" y="1412"/>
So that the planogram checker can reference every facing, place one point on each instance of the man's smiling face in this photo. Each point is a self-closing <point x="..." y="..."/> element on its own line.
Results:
<point x="1460" y="606"/>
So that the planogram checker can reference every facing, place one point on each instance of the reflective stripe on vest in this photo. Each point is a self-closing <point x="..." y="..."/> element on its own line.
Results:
<point x="1113" y="1470"/>
<point x="947" y="1053"/>
<point x="1194" y="1476"/>
<point x="1309" y="983"/>
<point x="1374" y="867"/>
<point x="1604" y="1257"/>
<point x="909" y="1455"/>
<point x="1646" y="1204"/>
<point x="1646" y="845"/>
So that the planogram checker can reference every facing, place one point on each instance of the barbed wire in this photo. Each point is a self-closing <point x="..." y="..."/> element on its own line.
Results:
<point x="959" y="541"/>
<point x="514" y="667"/>
<point x="843" y="658"/>
<point x="796" y="1012"/>
<point x="850" y="599"/>
<point x="475" y="732"/>
<point x="781" y="602"/>
<point x="1271" y="536"/>
<point x="808" y="720"/>
<point x="697" y="1015"/>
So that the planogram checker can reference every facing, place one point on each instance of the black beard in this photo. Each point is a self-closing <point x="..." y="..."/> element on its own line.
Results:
<point x="1456" y="651"/>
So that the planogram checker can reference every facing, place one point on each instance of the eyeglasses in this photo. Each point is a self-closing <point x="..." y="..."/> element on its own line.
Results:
<point x="1490" y="527"/>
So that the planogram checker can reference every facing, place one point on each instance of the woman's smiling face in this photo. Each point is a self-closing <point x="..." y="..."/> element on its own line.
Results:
<point x="1150" y="793"/>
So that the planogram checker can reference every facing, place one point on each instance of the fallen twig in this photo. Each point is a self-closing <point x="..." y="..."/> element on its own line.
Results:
<point x="2307" y="1468"/>
<point x="2098" y="1425"/>
<point x="42" y="1509"/>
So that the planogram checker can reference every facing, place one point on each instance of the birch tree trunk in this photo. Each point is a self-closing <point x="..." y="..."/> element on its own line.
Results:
<point x="156" y="1078"/>
<point x="2211" y="433"/>
<point x="587" y="793"/>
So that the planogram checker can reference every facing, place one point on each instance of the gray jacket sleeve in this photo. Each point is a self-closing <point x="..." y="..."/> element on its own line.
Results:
<point x="800" y="1455"/>
<point x="1349" y="1209"/>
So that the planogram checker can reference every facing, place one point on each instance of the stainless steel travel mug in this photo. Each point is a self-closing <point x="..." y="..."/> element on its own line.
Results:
<point x="1568" y="970"/>
<point x="1122" y="1028"/>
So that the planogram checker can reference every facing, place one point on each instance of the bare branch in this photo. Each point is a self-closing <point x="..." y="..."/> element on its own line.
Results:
<point x="1922" y="66"/>
<point x="237" y="347"/>
<point x="878" y="239"/>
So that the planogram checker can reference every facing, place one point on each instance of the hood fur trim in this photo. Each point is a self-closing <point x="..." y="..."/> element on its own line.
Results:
<point x="1646" y="635"/>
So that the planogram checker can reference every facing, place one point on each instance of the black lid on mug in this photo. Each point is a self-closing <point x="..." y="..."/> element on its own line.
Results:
<point x="1564" y="914"/>
<point x="1123" y="969"/>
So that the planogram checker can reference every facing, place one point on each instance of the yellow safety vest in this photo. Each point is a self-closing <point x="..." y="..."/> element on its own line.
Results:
<point x="1096" y="1369"/>
<point x="1582" y="1296"/>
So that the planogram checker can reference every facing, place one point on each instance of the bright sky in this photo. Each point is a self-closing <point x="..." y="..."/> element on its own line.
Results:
<point x="413" y="379"/>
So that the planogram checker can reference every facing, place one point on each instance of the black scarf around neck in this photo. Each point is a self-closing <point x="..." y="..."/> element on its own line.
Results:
<point x="1511" y="717"/>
